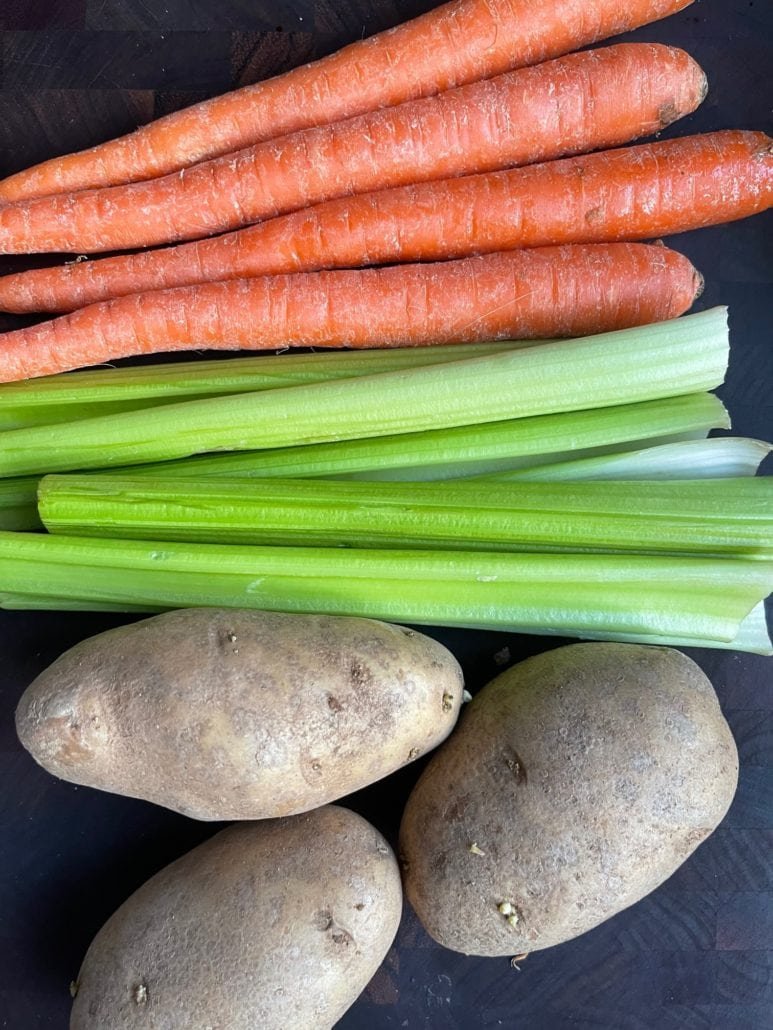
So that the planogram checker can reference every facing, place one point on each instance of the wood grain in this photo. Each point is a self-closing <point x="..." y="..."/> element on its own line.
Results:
<point x="32" y="121"/>
<point x="199" y="15"/>
<point x="43" y="14"/>
<point x="55" y="60"/>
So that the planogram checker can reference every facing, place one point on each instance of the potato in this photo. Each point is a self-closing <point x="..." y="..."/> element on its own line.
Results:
<point x="274" y="925"/>
<point x="576" y="783"/>
<point x="241" y="714"/>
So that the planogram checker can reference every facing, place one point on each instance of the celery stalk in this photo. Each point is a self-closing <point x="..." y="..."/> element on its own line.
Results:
<point x="464" y="450"/>
<point x="437" y="454"/>
<point x="667" y="359"/>
<point x="752" y="636"/>
<point x="722" y="517"/>
<point x="575" y="594"/>
<point x="722" y="456"/>
<point x="105" y="391"/>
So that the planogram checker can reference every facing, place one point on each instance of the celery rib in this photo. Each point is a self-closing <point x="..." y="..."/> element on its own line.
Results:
<point x="74" y="396"/>
<point x="465" y="450"/>
<point x="432" y="455"/>
<point x="666" y="359"/>
<point x="575" y="594"/>
<point x="752" y="636"/>
<point x="723" y="456"/>
<point x="723" y="518"/>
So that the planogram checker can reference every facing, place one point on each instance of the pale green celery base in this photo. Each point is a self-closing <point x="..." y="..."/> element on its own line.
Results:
<point x="666" y="359"/>
<point x="491" y="467"/>
<point x="74" y="396"/>
<point x="752" y="636"/>
<point x="681" y="599"/>
<point x="689" y="459"/>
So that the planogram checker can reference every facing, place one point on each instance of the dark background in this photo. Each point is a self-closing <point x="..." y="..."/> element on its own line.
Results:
<point x="696" y="954"/>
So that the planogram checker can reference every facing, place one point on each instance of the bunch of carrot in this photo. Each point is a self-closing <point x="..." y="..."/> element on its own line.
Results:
<point x="448" y="148"/>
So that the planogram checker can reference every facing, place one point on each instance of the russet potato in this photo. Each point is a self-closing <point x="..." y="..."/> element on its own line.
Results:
<point x="277" y="924"/>
<point x="576" y="783"/>
<point x="228" y="714"/>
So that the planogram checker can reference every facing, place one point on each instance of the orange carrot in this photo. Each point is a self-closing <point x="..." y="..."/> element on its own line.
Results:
<point x="635" y="193"/>
<point x="455" y="44"/>
<point x="581" y="102"/>
<point x="554" y="291"/>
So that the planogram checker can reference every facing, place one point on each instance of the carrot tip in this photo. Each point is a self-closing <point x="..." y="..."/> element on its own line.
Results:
<point x="700" y="283"/>
<point x="704" y="90"/>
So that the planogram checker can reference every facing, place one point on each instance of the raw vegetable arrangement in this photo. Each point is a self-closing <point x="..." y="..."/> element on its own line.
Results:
<point x="493" y="413"/>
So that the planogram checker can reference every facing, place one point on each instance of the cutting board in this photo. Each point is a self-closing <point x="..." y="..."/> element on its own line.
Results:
<point x="696" y="954"/>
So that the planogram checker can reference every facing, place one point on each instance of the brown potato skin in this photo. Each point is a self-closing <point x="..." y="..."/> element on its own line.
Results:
<point x="586" y="776"/>
<point x="224" y="714"/>
<point x="274" y="925"/>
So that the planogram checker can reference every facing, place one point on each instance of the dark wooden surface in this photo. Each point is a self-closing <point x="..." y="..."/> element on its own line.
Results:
<point x="696" y="954"/>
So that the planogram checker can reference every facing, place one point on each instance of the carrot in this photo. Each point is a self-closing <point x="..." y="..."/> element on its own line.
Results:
<point x="636" y="193"/>
<point x="455" y="44"/>
<point x="576" y="103"/>
<point x="555" y="291"/>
